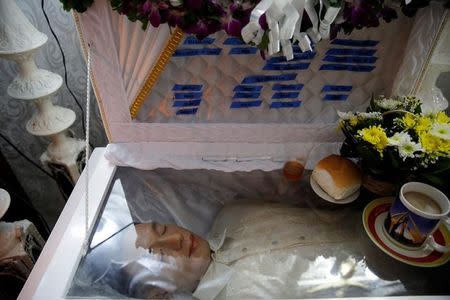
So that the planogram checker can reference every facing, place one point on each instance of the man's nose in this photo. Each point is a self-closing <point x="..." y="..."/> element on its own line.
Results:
<point x="173" y="242"/>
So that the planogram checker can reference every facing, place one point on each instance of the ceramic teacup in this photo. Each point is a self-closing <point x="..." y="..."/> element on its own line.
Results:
<point x="416" y="213"/>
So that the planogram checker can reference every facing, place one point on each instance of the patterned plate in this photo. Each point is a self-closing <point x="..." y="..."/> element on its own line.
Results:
<point x="373" y="219"/>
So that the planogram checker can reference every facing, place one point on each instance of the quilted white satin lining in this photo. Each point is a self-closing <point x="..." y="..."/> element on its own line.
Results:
<point x="122" y="55"/>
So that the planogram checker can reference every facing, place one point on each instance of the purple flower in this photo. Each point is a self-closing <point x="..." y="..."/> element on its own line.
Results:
<point x="355" y="15"/>
<point x="236" y="17"/>
<point x="263" y="54"/>
<point x="193" y="4"/>
<point x="233" y="7"/>
<point x="263" y="22"/>
<point x="232" y="27"/>
<point x="176" y="18"/>
<point x="125" y="8"/>
<point x="362" y="13"/>
<point x="202" y="29"/>
<point x="155" y="18"/>
<point x="145" y="8"/>
<point x="335" y="28"/>
<point x="156" y="12"/>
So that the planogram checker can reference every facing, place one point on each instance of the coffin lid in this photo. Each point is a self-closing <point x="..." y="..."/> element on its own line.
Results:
<point x="125" y="68"/>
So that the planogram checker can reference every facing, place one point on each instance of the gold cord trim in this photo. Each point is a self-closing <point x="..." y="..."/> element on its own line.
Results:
<point x="93" y="81"/>
<point x="156" y="71"/>
<point x="425" y="66"/>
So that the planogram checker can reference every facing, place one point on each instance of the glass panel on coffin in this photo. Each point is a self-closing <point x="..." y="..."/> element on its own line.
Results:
<point x="281" y="240"/>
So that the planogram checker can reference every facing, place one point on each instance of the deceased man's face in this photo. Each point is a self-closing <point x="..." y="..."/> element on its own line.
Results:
<point x="172" y="240"/>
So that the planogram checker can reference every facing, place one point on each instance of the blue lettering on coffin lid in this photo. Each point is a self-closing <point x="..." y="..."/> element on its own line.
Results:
<point x="280" y="104"/>
<point x="287" y="87"/>
<point x="280" y="67"/>
<point x="187" y="87"/>
<point x="192" y="40"/>
<point x="266" y="78"/>
<point x="194" y="95"/>
<point x="355" y="43"/>
<point x="246" y="95"/>
<point x="337" y="88"/>
<point x="187" y="111"/>
<point x="335" y="97"/>
<point x="186" y="103"/>
<point x="355" y="52"/>
<point x="244" y="104"/>
<point x="281" y="95"/>
<point x="300" y="56"/>
<point x="351" y="68"/>
<point x="195" y="52"/>
<point x="351" y="59"/>
<point x="233" y="41"/>
<point x="247" y="88"/>
<point x="243" y="50"/>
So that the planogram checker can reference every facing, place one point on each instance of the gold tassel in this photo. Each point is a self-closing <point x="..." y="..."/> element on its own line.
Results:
<point x="153" y="76"/>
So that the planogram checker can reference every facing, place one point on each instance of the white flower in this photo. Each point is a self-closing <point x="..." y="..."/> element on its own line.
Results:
<point x="176" y="3"/>
<point x="399" y="138"/>
<point x="388" y="103"/>
<point x="345" y="115"/>
<point x="441" y="131"/>
<point x="370" y="115"/>
<point x="408" y="148"/>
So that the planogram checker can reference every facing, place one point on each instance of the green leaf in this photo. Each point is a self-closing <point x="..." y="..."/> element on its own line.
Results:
<point x="144" y="25"/>
<point x="442" y="165"/>
<point x="115" y="4"/>
<point x="438" y="181"/>
<point x="335" y="3"/>
<point x="79" y="6"/>
<point x="264" y="41"/>
<point x="132" y="16"/>
<point x="348" y="149"/>
<point x="393" y="160"/>
<point x="372" y="106"/>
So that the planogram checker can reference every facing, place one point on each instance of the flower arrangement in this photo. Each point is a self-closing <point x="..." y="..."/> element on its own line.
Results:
<point x="199" y="17"/>
<point x="204" y="17"/>
<point x="394" y="141"/>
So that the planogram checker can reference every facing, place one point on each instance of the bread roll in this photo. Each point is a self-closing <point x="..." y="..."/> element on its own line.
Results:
<point x="337" y="176"/>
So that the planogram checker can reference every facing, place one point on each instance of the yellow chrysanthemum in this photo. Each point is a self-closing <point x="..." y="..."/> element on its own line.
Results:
<point x="353" y="121"/>
<point x="442" y="118"/>
<point x="409" y="121"/>
<point x="423" y="124"/>
<point x="376" y="136"/>
<point x="434" y="145"/>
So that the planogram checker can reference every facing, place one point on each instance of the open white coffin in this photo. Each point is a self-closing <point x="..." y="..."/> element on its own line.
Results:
<point x="214" y="129"/>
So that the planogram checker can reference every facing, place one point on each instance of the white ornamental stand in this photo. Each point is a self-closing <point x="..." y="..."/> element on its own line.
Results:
<point x="19" y="40"/>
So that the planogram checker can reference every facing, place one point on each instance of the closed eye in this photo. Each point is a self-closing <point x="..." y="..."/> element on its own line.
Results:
<point x="161" y="229"/>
